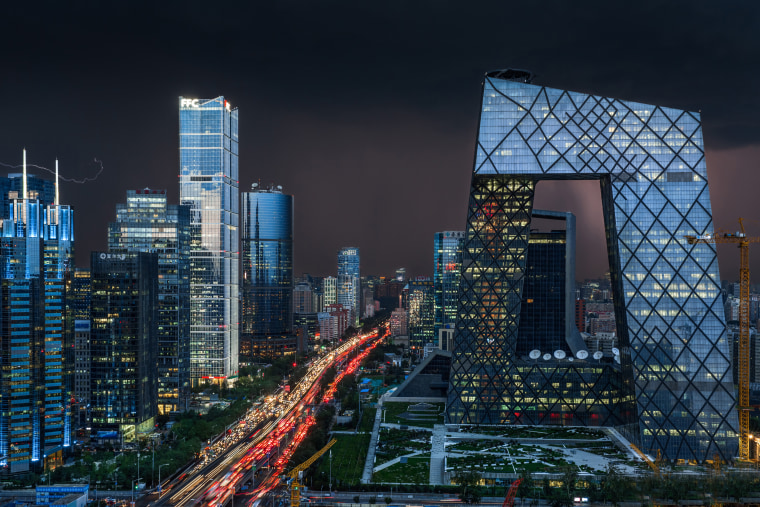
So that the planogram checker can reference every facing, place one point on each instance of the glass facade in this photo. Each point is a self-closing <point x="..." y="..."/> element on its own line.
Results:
<point x="124" y="342"/>
<point x="349" y="282"/>
<point x="447" y="261"/>
<point x="673" y="353"/>
<point x="208" y="183"/>
<point x="267" y="285"/>
<point x="420" y="306"/>
<point x="147" y="223"/>
<point x="36" y="252"/>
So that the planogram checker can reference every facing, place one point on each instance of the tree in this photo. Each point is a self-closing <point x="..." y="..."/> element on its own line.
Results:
<point x="615" y="487"/>
<point x="526" y="485"/>
<point x="388" y="500"/>
<point x="468" y="486"/>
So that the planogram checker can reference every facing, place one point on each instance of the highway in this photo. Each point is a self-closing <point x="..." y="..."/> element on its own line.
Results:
<point x="265" y="439"/>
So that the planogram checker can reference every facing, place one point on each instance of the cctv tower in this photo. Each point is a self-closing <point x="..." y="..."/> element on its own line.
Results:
<point x="673" y="355"/>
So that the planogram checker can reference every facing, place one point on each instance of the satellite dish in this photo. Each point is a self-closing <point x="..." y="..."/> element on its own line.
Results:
<point x="582" y="354"/>
<point x="547" y="357"/>
<point x="617" y="359"/>
<point x="535" y="354"/>
<point x="615" y="351"/>
<point x="559" y="354"/>
<point x="598" y="355"/>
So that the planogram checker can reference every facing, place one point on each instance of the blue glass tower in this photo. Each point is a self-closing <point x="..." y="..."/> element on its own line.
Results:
<point x="208" y="182"/>
<point x="349" y="282"/>
<point x="147" y="223"/>
<point x="673" y="354"/>
<point x="267" y="285"/>
<point x="36" y="252"/>
<point x="447" y="262"/>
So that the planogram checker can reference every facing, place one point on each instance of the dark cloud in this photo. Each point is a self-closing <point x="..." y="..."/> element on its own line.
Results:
<point x="365" y="111"/>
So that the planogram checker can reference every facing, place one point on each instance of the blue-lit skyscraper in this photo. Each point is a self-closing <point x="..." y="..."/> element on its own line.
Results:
<point x="36" y="252"/>
<point x="267" y="285"/>
<point x="208" y="182"/>
<point x="349" y="282"/>
<point x="447" y="262"/>
<point x="673" y="356"/>
<point x="147" y="223"/>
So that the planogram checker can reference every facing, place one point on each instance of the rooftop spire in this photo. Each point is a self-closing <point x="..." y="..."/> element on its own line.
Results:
<point x="56" y="182"/>
<point x="23" y="183"/>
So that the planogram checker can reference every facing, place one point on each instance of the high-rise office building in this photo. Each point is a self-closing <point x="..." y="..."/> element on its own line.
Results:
<point x="148" y="223"/>
<point x="447" y="263"/>
<point x="673" y="352"/>
<point x="420" y="306"/>
<point x="267" y="286"/>
<point x="329" y="292"/>
<point x="303" y="301"/>
<point x="124" y="342"/>
<point x="43" y="189"/>
<point x="78" y="323"/>
<point x="349" y="282"/>
<point x="208" y="183"/>
<point x="36" y="252"/>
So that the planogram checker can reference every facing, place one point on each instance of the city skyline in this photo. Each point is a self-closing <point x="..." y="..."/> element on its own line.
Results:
<point x="385" y="128"/>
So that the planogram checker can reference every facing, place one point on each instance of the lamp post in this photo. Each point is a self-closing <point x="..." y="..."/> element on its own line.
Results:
<point x="159" y="478"/>
<point x="330" y="472"/>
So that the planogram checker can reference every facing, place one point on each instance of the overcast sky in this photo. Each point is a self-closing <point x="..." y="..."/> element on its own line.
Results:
<point x="366" y="112"/>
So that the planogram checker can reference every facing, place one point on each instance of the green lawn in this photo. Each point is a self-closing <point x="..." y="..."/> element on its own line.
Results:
<point x="415" y="471"/>
<point x="348" y="456"/>
<point x="368" y="419"/>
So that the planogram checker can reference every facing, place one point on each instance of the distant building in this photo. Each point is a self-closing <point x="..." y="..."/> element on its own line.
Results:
<point x="349" y="282"/>
<point x="447" y="264"/>
<point x="148" y="223"/>
<point x="82" y="355"/>
<point x="267" y="286"/>
<point x="398" y="324"/>
<point x="421" y="313"/>
<point x="329" y="291"/>
<point x="303" y="302"/>
<point x="124" y="342"/>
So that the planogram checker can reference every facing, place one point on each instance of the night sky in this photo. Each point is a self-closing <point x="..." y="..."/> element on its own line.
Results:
<point x="366" y="112"/>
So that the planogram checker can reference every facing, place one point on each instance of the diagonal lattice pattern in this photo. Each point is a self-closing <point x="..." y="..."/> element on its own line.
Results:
<point x="671" y="325"/>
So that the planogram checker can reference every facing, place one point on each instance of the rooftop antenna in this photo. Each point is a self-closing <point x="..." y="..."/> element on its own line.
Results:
<point x="56" y="182"/>
<point x="23" y="183"/>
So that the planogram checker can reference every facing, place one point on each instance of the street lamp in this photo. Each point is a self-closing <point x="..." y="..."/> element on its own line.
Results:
<point x="159" y="478"/>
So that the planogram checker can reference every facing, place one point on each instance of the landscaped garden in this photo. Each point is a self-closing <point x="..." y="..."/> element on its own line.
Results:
<point x="394" y="443"/>
<point x="348" y="456"/>
<point x="411" y="470"/>
<point x="425" y="415"/>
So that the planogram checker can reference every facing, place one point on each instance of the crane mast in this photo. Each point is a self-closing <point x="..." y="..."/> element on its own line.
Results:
<point x="742" y="241"/>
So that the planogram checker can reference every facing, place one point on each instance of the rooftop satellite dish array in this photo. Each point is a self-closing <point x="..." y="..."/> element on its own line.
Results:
<point x="581" y="354"/>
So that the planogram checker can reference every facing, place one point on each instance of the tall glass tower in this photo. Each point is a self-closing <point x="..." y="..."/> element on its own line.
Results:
<point x="267" y="285"/>
<point x="208" y="183"/>
<point x="447" y="262"/>
<point x="349" y="282"/>
<point x="147" y="223"/>
<point x="673" y="354"/>
<point x="36" y="252"/>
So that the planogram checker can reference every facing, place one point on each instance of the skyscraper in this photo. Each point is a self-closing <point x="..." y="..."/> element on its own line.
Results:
<point x="124" y="342"/>
<point x="36" y="252"/>
<point x="447" y="262"/>
<point x="147" y="223"/>
<point x="673" y="354"/>
<point x="208" y="183"/>
<point x="421" y="314"/>
<point x="349" y="282"/>
<point x="329" y="292"/>
<point x="267" y="293"/>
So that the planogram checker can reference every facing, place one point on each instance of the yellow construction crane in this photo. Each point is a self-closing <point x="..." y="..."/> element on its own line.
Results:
<point x="646" y="459"/>
<point x="297" y="472"/>
<point x="739" y="238"/>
